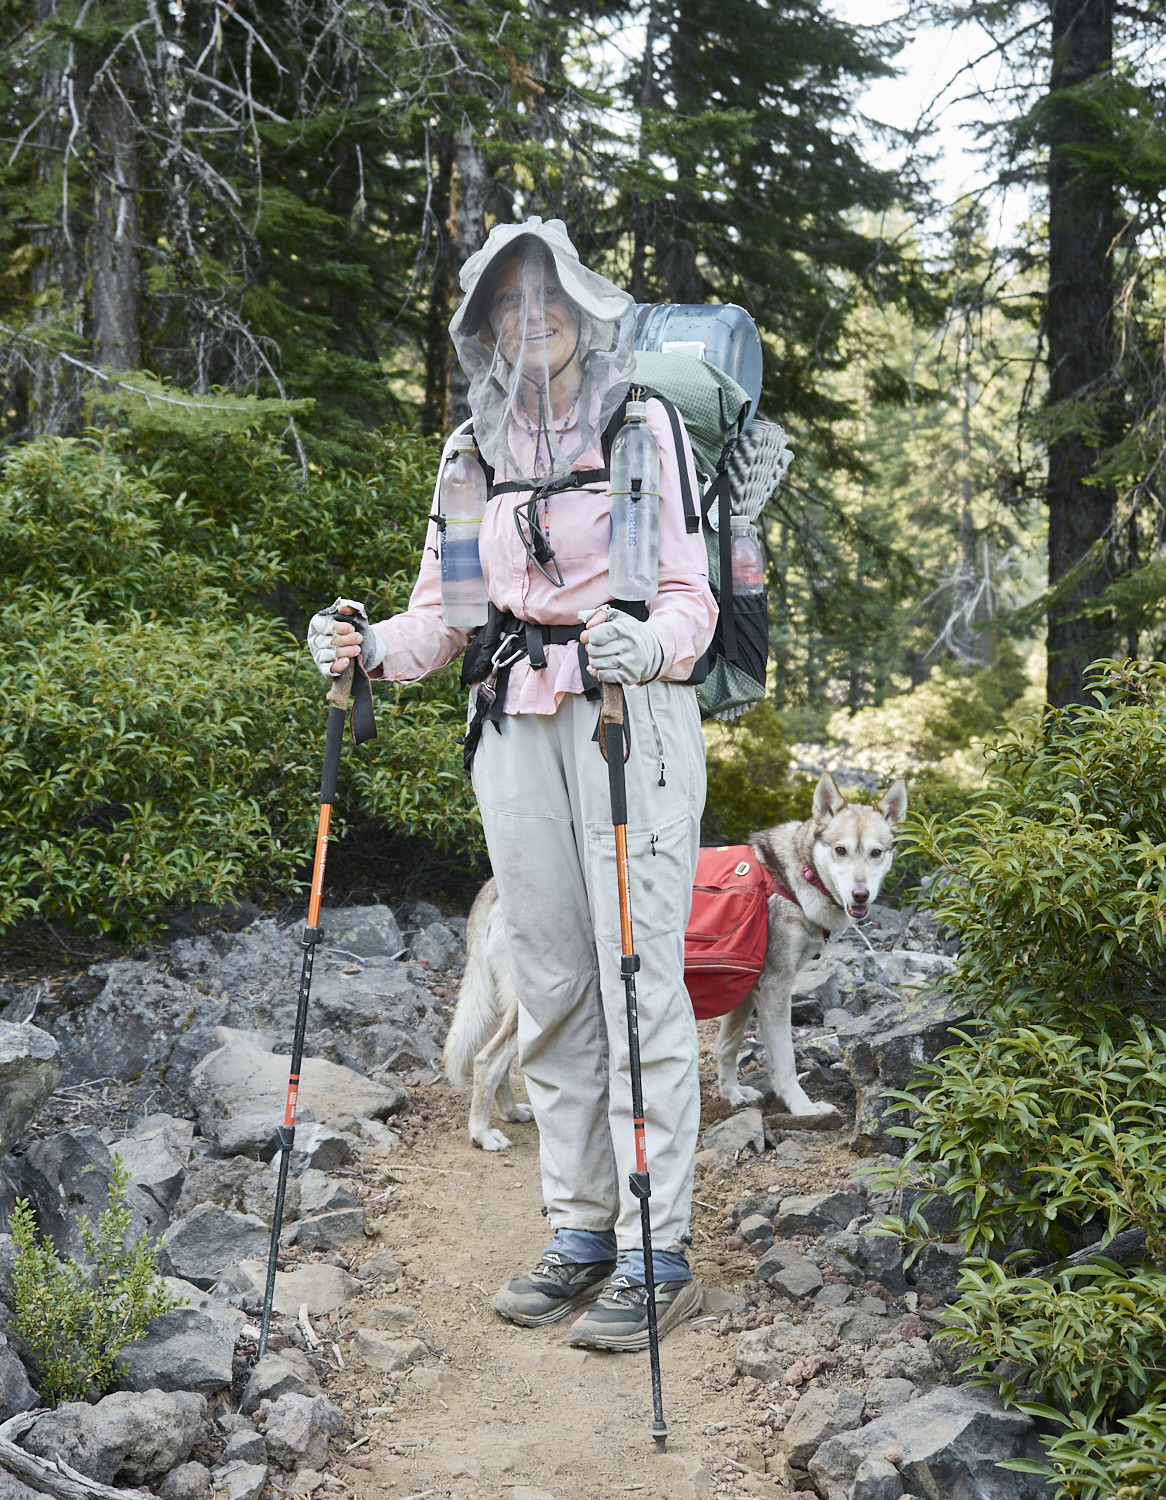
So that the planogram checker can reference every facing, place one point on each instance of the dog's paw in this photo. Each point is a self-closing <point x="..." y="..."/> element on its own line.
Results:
<point x="740" y="1096"/>
<point x="492" y="1140"/>
<point x="519" y="1114"/>
<point x="815" y="1109"/>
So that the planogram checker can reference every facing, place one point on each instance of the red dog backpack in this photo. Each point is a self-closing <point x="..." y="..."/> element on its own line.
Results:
<point x="728" y="931"/>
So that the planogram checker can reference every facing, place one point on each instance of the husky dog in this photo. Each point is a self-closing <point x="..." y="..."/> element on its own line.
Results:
<point x="829" y="869"/>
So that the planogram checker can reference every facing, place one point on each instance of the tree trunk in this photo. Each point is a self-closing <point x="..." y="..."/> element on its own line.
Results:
<point x="1080" y="302"/>
<point x="438" y="350"/>
<point x="470" y="189"/>
<point x="115" y="261"/>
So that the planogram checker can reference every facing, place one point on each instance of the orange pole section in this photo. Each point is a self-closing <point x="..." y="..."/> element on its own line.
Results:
<point x="318" y="868"/>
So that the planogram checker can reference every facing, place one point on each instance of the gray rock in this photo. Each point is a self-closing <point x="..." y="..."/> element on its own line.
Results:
<point x="885" y="1050"/>
<point x="387" y="1048"/>
<point x="381" y="1351"/>
<point x="765" y="1204"/>
<point x="888" y="1391"/>
<point x="864" y="1327"/>
<point x="7" y="1263"/>
<point x="877" y="1479"/>
<point x="244" y="1074"/>
<point x="66" y="1178"/>
<point x="381" y="1265"/>
<point x="320" y="1287"/>
<point x="937" y="1269"/>
<point x="128" y="1436"/>
<point x="952" y="1442"/>
<point x="296" y="1429"/>
<point x="30" y="1069"/>
<point x="188" y="1481"/>
<point x="245" y="1447"/>
<point x="816" y="1213"/>
<point x="834" y="1296"/>
<point x="867" y="1257"/>
<point x="251" y="1134"/>
<point x="320" y="1147"/>
<point x="740" y="1132"/>
<point x="421" y="914"/>
<point x="16" y="1394"/>
<point x="341" y="1229"/>
<point x="287" y="1373"/>
<point x="909" y="1359"/>
<point x="815" y="991"/>
<point x="12" y="1489"/>
<point x="188" y="1349"/>
<point x="820" y="1414"/>
<point x="756" y="1230"/>
<point x="320" y="1194"/>
<point x="154" y="1155"/>
<point x="795" y="1279"/>
<point x="240" y="1481"/>
<point x="435" y="945"/>
<point x="239" y="1183"/>
<point x="200" y="1246"/>
<point x="363" y="931"/>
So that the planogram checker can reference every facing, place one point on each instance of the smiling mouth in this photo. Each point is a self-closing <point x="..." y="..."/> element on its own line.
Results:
<point x="859" y="913"/>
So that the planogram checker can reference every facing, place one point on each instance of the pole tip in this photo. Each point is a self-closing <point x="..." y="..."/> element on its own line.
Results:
<point x="661" y="1434"/>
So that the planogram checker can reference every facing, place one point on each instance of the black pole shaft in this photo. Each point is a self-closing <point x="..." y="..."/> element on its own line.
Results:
<point x="286" y="1134"/>
<point x="639" y="1181"/>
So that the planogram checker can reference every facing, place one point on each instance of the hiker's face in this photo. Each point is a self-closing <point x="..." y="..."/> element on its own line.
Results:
<point x="535" y="323"/>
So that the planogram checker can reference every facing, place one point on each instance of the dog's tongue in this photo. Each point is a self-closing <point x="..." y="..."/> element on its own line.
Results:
<point x="858" y="912"/>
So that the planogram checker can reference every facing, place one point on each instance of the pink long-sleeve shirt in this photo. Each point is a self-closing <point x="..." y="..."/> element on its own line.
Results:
<point x="577" y="524"/>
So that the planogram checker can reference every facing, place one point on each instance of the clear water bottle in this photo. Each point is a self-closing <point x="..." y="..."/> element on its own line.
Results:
<point x="745" y="554"/>
<point x="462" y="497"/>
<point x="634" y="563"/>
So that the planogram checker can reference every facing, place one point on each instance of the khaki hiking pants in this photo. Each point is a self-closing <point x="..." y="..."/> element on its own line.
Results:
<point x="543" y="791"/>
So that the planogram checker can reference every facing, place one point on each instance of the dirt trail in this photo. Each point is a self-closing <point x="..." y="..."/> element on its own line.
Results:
<point x="501" y="1410"/>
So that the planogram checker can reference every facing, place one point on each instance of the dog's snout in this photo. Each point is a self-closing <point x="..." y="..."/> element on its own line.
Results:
<point x="859" y="895"/>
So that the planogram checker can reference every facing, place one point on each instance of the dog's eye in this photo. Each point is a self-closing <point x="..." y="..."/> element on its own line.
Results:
<point x="840" y="850"/>
<point x="876" y="854"/>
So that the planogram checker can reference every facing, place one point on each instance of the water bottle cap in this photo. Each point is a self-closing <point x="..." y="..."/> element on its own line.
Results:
<point x="462" y="442"/>
<point x="635" y="411"/>
<point x="740" y="525"/>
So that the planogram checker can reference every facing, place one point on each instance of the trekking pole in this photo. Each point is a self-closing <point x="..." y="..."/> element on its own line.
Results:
<point x="612" y="741"/>
<point x="338" y="696"/>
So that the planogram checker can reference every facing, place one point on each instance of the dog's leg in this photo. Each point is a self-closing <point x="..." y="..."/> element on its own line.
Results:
<point x="773" y="998"/>
<point x="491" y="1079"/>
<point x="729" y="1038"/>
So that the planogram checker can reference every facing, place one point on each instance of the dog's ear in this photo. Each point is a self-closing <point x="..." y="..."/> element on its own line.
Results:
<point x="828" y="800"/>
<point x="893" y="804"/>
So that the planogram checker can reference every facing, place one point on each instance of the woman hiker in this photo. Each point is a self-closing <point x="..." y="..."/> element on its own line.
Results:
<point x="547" y="345"/>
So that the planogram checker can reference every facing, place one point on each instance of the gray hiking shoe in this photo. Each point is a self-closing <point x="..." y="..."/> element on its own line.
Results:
<point x="554" y="1288"/>
<point x="619" y="1319"/>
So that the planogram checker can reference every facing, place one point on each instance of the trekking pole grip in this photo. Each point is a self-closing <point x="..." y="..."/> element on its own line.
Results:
<point x="613" y="704"/>
<point x="341" y="690"/>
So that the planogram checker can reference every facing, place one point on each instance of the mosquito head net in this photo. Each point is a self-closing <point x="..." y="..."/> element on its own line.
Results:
<point x="547" y="346"/>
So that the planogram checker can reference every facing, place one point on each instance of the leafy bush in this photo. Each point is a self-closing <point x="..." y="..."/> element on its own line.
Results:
<point x="160" y="730"/>
<point x="1046" y="1127"/>
<point x="76" y="1320"/>
<point x="749" y="782"/>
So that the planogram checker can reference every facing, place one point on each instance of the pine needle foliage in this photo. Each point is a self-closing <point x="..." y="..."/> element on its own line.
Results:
<point x="75" y="1319"/>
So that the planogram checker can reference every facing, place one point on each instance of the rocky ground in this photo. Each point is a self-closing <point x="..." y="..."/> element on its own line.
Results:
<point x="818" y="1366"/>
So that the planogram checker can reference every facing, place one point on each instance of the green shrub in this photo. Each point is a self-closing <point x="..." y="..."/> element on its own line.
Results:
<point x="1047" y="1126"/>
<point x="76" y="1320"/>
<point x="160" y="730"/>
<point x="749" y="781"/>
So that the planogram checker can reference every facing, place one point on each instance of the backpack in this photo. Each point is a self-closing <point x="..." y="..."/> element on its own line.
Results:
<point x="728" y="930"/>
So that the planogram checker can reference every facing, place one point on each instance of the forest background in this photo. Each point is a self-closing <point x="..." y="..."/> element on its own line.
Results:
<point x="231" y="239"/>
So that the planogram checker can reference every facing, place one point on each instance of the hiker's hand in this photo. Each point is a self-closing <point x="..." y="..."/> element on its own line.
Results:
<point x="334" y="642"/>
<point x="621" y="649"/>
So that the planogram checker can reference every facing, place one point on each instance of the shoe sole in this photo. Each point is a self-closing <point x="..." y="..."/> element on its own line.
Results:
<point x="683" y="1306"/>
<point x="556" y="1314"/>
